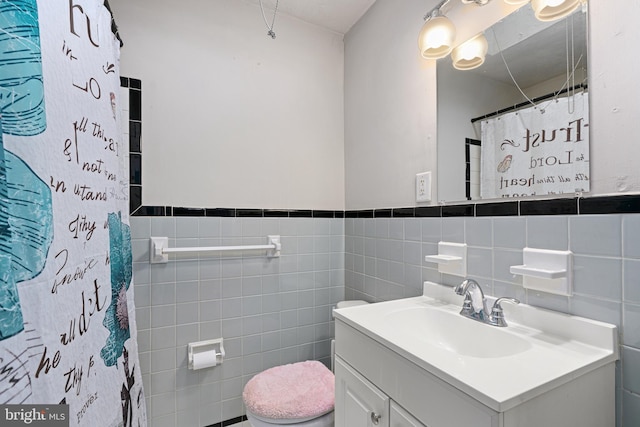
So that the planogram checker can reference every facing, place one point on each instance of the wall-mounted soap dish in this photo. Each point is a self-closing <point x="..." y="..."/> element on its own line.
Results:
<point x="546" y="270"/>
<point x="451" y="258"/>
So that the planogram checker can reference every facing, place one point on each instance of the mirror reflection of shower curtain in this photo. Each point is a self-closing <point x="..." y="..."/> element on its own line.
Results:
<point x="542" y="150"/>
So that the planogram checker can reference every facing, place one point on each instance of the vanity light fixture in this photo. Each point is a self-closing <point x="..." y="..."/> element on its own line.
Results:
<point x="550" y="10"/>
<point x="438" y="33"/>
<point x="470" y="54"/>
<point x="436" y="36"/>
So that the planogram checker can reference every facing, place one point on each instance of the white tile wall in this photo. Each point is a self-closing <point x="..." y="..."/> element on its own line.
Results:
<point x="269" y="311"/>
<point x="606" y="282"/>
<point x="276" y="312"/>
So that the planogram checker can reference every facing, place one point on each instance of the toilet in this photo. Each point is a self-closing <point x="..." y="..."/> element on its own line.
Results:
<point x="299" y="394"/>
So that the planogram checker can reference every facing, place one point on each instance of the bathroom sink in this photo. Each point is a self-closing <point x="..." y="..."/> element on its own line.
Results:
<point x="499" y="366"/>
<point x="450" y="331"/>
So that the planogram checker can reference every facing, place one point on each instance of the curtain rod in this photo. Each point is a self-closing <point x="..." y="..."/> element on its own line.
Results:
<point x="584" y="86"/>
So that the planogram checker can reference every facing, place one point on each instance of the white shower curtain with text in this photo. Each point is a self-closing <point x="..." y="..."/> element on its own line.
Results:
<point x="67" y="324"/>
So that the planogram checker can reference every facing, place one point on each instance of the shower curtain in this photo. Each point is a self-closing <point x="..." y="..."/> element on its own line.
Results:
<point x="541" y="150"/>
<point x="67" y="318"/>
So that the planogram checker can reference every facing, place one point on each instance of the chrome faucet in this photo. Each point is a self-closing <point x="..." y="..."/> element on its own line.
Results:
<point x="475" y="306"/>
<point x="496" y="318"/>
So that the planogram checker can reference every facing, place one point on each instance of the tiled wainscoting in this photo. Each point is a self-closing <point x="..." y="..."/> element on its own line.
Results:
<point x="385" y="260"/>
<point x="274" y="311"/>
<point x="269" y="311"/>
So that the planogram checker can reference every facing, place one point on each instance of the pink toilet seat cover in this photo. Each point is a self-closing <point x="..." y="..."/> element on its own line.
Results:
<point x="298" y="390"/>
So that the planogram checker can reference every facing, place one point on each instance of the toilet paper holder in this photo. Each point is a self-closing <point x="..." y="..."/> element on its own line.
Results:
<point x="205" y="354"/>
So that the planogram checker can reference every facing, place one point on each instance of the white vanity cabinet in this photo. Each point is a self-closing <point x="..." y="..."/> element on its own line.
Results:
<point x="369" y="376"/>
<point x="361" y="404"/>
<point x="401" y="418"/>
<point x="358" y="402"/>
<point x="386" y="379"/>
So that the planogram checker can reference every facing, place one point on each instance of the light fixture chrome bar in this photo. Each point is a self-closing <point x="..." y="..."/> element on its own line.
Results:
<point x="436" y="10"/>
<point x="478" y="2"/>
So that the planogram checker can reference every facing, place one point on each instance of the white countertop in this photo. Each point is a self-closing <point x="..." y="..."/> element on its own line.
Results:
<point x="550" y="348"/>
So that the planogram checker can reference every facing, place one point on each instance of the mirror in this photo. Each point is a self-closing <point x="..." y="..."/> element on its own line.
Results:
<point x="535" y="54"/>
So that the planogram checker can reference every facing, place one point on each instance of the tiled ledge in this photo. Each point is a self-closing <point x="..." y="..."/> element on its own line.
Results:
<point x="575" y="206"/>
<point x="233" y="212"/>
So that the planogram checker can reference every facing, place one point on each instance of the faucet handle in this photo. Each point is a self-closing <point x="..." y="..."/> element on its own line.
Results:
<point x="467" y="305"/>
<point x="497" y="314"/>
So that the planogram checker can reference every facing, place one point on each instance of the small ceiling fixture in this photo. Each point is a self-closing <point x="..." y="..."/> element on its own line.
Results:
<point x="550" y="10"/>
<point x="470" y="54"/>
<point x="270" y="33"/>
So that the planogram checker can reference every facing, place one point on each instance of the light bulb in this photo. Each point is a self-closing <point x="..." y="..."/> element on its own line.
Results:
<point x="470" y="54"/>
<point x="436" y="37"/>
<point x="551" y="10"/>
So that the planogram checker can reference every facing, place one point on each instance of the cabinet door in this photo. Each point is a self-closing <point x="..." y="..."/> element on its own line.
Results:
<point x="358" y="402"/>
<point x="401" y="418"/>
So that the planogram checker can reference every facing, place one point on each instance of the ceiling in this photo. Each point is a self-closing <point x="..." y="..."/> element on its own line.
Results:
<point x="335" y="15"/>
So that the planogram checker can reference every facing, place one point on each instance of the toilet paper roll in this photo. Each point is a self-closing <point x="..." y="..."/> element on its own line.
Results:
<point x="205" y="359"/>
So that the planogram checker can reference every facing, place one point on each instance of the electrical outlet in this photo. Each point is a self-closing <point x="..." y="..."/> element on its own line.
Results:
<point x="423" y="187"/>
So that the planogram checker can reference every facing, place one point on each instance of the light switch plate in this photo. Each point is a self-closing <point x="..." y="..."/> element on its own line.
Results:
<point x="423" y="187"/>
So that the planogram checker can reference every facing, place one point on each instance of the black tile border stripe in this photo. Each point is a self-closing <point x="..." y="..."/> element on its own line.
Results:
<point x="404" y="213"/>
<point x="458" y="210"/>
<point x="497" y="209"/>
<point x="612" y="204"/>
<point x="428" y="211"/>
<point x="135" y="150"/>
<point x="601" y="205"/>
<point x="467" y="161"/>
<point x="549" y="207"/>
<point x="230" y="422"/>
<point x="234" y="213"/>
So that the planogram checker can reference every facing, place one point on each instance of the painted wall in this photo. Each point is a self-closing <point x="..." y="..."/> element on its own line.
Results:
<point x="232" y="117"/>
<point x="390" y="107"/>
<point x="387" y="143"/>
<point x="388" y="119"/>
